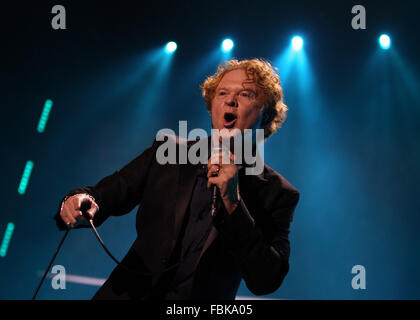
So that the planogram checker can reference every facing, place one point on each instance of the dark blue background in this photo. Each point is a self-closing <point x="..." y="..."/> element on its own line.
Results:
<point x="350" y="143"/>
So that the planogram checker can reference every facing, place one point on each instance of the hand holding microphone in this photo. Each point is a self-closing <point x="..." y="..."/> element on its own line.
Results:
<point x="223" y="174"/>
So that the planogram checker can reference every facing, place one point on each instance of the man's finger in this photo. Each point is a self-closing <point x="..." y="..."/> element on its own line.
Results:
<point x="213" y="180"/>
<point x="68" y="217"/>
<point x="213" y="170"/>
<point x="75" y="202"/>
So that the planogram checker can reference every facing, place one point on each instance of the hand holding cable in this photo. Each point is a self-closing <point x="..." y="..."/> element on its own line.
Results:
<point x="71" y="212"/>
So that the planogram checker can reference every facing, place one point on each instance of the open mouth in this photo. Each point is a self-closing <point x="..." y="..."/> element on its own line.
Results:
<point x="230" y="119"/>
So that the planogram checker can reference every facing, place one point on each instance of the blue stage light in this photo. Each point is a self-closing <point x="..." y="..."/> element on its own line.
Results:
<point x="227" y="45"/>
<point x="385" y="41"/>
<point x="25" y="177"/>
<point x="6" y="239"/>
<point x="297" y="43"/>
<point x="44" y="116"/>
<point x="171" y="47"/>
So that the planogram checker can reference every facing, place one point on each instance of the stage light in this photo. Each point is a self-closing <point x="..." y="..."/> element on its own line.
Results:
<point x="44" y="116"/>
<point x="6" y="239"/>
<point x="227" y="45"/>
<point x="385" y="41"/>
<point x="25" y="177"/>
<point x="171" y="47"/>
<point x="297" y="43"/>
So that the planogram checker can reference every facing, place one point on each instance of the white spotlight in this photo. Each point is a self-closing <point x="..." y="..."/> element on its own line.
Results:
<point x="297" y="43"/>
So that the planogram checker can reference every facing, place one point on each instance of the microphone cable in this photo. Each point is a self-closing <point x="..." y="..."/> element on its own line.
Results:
<point x="84" y="207"/>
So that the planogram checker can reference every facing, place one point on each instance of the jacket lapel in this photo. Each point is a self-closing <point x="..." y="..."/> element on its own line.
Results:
<point x="186" y="179"/>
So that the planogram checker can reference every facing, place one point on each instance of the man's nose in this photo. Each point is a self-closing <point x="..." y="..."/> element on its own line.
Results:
<point x="231" y="101"/>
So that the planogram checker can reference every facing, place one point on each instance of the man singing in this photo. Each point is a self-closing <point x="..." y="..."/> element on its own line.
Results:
<point x="182" y="251"/>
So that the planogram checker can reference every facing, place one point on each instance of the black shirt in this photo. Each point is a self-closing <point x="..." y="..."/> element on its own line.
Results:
<point x="195" y="230"/>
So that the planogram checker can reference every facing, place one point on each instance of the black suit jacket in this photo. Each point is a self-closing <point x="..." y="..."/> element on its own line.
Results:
<point x="251" y="243"/>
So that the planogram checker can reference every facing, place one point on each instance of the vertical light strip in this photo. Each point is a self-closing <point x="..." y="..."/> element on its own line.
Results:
<point x="6" y="239"/>
<point x="25" y="177"/>
<point x="44" y="116"/>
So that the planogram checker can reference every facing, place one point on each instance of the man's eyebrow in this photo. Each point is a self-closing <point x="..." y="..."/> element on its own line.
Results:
<point x="248" y="89"/>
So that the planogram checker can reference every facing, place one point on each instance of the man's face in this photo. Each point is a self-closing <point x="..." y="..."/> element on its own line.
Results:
<point x="237" y="103"/>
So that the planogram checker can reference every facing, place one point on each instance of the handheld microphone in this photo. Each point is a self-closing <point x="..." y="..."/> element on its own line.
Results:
<point x="213" y="200"/>
<point x="216" y="150"/>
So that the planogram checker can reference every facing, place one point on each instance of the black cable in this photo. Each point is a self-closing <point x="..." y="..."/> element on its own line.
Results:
<point x="84" y="207"/>
<point x="121" y="264"/>
<point x="51" y="262"/>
